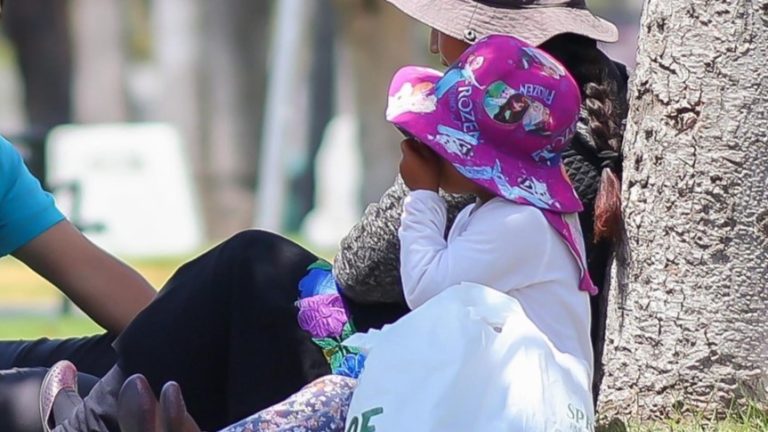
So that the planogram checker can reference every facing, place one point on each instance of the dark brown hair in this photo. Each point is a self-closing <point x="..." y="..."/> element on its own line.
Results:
<point x="603" y="111"/>
<point x="516" y="115"/>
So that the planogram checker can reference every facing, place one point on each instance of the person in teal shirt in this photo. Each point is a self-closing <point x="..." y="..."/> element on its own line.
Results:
<point x="26" y="211"/>
<point x="37" y="233"/>
<point x="34" y="231"/>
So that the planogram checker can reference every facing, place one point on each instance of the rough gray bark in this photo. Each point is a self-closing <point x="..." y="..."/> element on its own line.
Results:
<point x="688" y="321"/>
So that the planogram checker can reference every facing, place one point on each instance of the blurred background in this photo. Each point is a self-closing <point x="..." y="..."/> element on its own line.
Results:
<point x="164" y="126"/>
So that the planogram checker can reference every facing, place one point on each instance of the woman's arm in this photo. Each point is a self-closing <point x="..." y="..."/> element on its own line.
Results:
<point x="106" y="289"/>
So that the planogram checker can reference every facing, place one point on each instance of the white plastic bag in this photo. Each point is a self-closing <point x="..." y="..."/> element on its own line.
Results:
<point x="468" y="360"/>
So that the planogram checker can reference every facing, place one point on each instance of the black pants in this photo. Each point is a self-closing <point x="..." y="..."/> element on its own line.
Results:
<point x="225" y="328"/>
<point x="23" y="365"/>
<point x="92" y="355"/>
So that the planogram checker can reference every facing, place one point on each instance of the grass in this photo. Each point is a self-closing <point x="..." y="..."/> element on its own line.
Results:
<point x="29" y="327"/>
<point x="29" y="304"/>
<point x="750" y="419"/>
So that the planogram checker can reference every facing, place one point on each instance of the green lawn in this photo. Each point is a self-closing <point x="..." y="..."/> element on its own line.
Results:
<point x="21" y="291"/>
<point x="26" y="327"/>
<point x="749" y="420"/>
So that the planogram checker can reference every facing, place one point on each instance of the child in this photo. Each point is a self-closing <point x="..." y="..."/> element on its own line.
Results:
<point x="522" y="236"/>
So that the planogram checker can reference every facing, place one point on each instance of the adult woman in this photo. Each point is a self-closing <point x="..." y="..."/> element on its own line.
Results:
<point x="225" y="326"/>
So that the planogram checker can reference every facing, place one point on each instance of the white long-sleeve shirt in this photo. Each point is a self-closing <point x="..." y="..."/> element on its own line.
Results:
<point x="505" y="246"/>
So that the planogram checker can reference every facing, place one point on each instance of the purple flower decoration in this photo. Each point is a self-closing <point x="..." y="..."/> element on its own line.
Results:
<point x="322" y="315"/>
<point x="317" y="281"/>
<point x="351" y="366"/>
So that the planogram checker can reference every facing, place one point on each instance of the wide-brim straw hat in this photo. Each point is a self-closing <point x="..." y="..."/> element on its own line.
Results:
<point x="535" y="21"/>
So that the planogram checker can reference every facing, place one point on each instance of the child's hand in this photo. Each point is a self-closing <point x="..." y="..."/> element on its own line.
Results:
<point x="420" y="166"/>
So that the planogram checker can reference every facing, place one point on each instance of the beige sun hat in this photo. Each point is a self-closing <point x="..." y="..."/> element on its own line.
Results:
<point x="536" y="21"/>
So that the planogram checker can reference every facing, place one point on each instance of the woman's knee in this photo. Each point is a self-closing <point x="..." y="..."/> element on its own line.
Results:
<point x="274" y="252"/>
<point x="254" y="243"/>
<point x="252" y="269"/>
<point x="230" y="261"/>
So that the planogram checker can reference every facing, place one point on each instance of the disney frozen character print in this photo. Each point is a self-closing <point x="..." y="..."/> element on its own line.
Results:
<point x="547" y="156"/>
<point x="412" y="99"/>
<point x="455" y="141"/>
<point x="529" y="189"/>
<point x="505" y="105"/>
<point x="535" y="57"/>
<point x="459" y="72"/>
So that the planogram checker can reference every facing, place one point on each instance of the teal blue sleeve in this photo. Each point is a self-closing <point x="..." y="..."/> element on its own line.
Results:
<point x="26" y="210"/>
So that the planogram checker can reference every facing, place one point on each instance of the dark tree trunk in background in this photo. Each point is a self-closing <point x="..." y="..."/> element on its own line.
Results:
<point x="39" y="30"/>
<point x="100" y="59"/>
<point x="235" y="48"/>
<point x="321" y="106"/>
<point x="688" y="319"/>
<point x="176" y="50"/>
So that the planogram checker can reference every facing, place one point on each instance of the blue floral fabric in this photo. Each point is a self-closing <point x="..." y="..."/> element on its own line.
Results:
<point x="322" y="315"/>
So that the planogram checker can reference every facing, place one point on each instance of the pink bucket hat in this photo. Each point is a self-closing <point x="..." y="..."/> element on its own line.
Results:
<point x="502" y="115"/>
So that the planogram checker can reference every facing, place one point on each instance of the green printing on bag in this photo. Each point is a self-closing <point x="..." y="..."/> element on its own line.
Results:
<point x="579" y="418"/>
<point x="366" y="426"/>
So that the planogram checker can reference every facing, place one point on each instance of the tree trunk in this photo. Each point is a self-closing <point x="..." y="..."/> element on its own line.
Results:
<point x="321" y="107"/>
<point x="687" y="326"/>
<point x="379" y="39"/>
<point x="40" y="33"/>
<point x="235" y="44"/>
<point x="98" y="31"/>
<point x="176" y="49"/>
